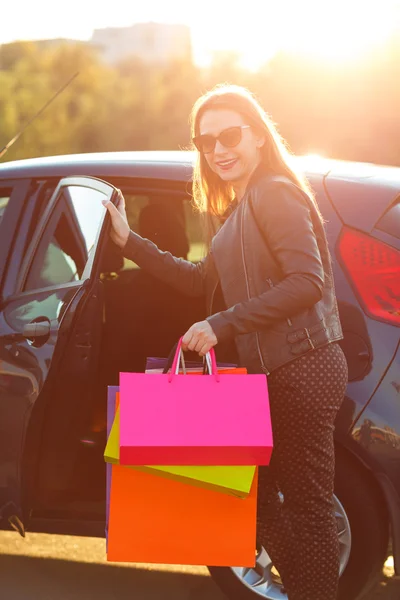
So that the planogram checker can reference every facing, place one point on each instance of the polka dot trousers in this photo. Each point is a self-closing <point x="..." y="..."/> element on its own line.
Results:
<point x="299" y="532"/>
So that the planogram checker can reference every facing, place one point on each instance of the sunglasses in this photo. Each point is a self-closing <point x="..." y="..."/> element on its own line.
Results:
<point x="229" y="138"/>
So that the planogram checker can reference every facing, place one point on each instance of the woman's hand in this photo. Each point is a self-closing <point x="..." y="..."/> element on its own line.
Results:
<point x="199" y="338"/>
<point x="119" y="232"/>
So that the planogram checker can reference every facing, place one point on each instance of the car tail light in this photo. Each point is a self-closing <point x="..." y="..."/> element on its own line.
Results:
<point x="374" y="270"/>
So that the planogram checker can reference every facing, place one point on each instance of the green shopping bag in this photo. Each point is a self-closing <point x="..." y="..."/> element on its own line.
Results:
<point x="235" y="481"/>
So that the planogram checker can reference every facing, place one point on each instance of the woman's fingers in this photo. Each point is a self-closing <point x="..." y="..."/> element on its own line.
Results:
<point x="116" y="216"/>
<point x="199" y="338"/>
<point x="112" y="209"/>
<point x="204" y="349"/>
<point x="201" y="343"/>
<point x="121" y="203"/>
<point x="119" y="223"/>
<point x="186" y="340"/>
<point x="118" y="207"/>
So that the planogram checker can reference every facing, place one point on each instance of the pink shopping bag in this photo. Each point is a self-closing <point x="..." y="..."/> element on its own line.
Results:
<point x="172" y="419"/>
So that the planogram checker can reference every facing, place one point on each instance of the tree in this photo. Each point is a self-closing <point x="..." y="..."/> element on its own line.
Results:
<point x="347" y="111"/>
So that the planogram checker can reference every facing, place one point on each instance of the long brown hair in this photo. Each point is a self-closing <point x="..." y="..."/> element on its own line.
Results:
<point x="211" y="194"/>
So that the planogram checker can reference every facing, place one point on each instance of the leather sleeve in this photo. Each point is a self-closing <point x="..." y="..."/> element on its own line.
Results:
<point x="181" y="274"/>
<point x="283" y="216"/>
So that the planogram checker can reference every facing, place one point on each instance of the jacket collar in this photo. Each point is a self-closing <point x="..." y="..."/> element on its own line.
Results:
<point x="260" y="171"/>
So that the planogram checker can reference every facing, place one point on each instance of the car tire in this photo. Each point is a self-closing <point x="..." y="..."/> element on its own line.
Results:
<point x="365" y="512"/>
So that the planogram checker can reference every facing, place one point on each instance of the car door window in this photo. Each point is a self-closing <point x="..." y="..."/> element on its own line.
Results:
<point x="69" y="238"/>
<point x="4" y="200"/>
<point x="390" y="222"/>
<point x="195" y="232"/>
<point x="168" y="221"/>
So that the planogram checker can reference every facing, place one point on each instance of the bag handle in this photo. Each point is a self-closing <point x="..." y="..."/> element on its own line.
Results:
<point x="209" y="358"/>
<point x="207" y="366"/>
<point x="170" y="361"/>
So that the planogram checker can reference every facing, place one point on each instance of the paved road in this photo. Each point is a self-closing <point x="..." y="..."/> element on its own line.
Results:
<point x="49" y="567"/>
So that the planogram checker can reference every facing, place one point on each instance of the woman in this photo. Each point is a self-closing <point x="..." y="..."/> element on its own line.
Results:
<point x="269" y="287"/>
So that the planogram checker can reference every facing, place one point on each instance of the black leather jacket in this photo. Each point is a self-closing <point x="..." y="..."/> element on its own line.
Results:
<point x="271" y="258"/>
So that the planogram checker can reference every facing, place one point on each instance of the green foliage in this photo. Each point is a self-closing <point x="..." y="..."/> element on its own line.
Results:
<point x="348" y="111"/>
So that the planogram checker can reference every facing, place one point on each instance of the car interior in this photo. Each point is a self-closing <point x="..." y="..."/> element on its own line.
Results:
<point x="142" y="317"/>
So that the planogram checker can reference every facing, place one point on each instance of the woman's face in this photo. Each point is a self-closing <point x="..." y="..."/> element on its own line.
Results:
<point x="232" y="164"/>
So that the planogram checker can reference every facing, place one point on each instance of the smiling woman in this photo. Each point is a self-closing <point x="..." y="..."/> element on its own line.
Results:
<point x="268" y="285"/>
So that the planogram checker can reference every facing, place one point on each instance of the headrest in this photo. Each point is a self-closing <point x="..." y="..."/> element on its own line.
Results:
<point x="165" y="227"/>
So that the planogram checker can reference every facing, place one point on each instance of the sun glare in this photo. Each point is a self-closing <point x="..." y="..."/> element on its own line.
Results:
<point x="326" y="30"/>
<point x="344" y="35"/>
<point x="310" y="163"/>
<point x="340" y="31"/>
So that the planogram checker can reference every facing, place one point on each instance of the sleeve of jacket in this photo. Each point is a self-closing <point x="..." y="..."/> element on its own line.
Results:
<point x="283" y="215"/>
<point x="183" y="275"/>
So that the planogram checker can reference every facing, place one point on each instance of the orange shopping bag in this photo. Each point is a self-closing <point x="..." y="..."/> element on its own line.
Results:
<point x="157" y="520"/>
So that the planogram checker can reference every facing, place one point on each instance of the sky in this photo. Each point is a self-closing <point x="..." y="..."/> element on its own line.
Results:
<point x="329" y="29"/>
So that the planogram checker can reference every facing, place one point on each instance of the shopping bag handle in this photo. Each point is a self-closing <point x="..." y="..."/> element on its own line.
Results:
<point x="207" y="367"/>
<point x="170" y="360"/>
<point x="210" y="360"/>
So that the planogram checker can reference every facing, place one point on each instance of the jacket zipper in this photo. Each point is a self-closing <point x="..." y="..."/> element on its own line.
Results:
<point x="289" y="321"/>
<point x="264" y="368"/>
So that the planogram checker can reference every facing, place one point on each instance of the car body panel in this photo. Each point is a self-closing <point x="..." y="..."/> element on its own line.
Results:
<point x="354" y="186"/>
<point x="343" y="190"/>
<point x="23" y="372"/>
<point x="377" y="428"/>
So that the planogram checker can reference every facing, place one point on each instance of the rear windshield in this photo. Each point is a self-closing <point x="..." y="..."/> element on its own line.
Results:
<point x="390" y="222"/>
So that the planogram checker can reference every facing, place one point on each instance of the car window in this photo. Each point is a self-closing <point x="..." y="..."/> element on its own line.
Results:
<point x="195" y="232"/>
<point x="69" y="238"/>
<point x="170" y="222"/>
<point x="390" y="222"/>
<point x="5" y="194"/>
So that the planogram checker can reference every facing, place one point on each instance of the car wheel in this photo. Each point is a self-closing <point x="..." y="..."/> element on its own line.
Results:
<point x="363" y="537"/>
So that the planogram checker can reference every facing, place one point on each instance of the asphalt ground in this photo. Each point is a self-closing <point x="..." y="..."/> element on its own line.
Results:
<point x="51" y="567"/>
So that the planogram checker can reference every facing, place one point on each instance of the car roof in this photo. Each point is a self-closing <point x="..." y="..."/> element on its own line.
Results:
<point x="160" y="165"/>
<point x="174" y="165"/>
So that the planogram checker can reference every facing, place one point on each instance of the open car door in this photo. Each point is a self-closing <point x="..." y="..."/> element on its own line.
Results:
<point x="50" y="326"/>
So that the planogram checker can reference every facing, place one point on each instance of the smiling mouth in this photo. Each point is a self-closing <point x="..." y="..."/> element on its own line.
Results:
<point x="226" y="164"/>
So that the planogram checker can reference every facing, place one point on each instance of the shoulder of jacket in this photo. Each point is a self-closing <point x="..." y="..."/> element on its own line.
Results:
<point x="268" y="181"/>
<point x="272" y="185"/>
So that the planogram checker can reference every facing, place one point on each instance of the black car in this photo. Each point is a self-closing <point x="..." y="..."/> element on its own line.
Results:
<point x="73" y="313"/>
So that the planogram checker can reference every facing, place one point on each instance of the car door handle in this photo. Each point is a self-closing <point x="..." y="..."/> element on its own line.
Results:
<point x="36" y="329"/>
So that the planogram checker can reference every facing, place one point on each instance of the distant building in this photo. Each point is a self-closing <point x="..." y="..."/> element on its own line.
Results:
<point x="151" y="42"/>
